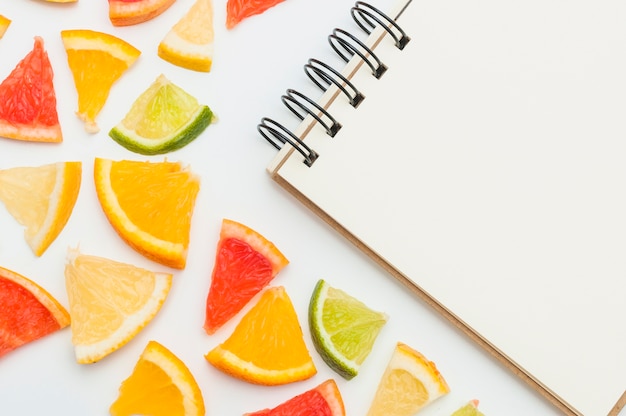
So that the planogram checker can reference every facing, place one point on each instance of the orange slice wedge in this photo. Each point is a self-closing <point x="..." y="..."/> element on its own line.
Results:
<point x="27" y="311"/>
<point x="42" y="199"/>
<point x="4" y="25"/>
<point x="132" y="12"/>
<point x="267" y="346"/>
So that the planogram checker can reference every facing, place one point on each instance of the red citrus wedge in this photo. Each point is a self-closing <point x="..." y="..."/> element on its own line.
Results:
<point x="28" y="101"/>
<point x="245" y="263"/>
<point x="132" y="12"/>
<point x="237" y="10"/>
<point x="27" y="311"/>
<point x="323" y="400"/>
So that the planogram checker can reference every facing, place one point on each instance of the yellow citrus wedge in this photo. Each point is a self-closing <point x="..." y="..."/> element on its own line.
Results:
<point x="110" y="302"/>
<point x="267" y="346"/>
<point x="189" y="44"/>
<point x="41" y="199"/>
<point x="150" y="205"/>
<point x="160" y="385"/>
<point x="27" y="311"/>
<point x="470" y="409"/>
<point x="4" y="25"/>
<point x="96" y="60"/>
<point x="409" y="383"/>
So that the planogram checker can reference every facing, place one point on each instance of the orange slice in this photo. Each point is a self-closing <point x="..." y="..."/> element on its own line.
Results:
<point x="323" y="400"/>
<point x="96" y="60"/>
<point x="245" y="263"/>
<point x="267" y="346"/>
<point x="27" y="311"/>
<point x="28" y="105"/>
<point x="150" y="205"/>
<point x="160" y="385"/>
<point x="4" y="25"/>
<point x="110" y="302"/>
<point x="132" y="12"/>
<point x="41" y="199"/>
<point x="189" y="44"/>
<point x="409" y="383"/>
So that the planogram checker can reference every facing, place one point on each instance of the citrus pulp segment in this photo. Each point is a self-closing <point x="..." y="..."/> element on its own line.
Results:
<point x="245" y="262"/>
<point x="409" y="383"/>
<point x="470" y="409"/>
<point x="189" y="44"/>
<point x="162" y="119"/>
<point x="150" y="205"/>
<point x="238" y="10"/>
<point x="323" y="400"/>
<point x="27" y="311"/>
<point x="4" y="25"/>
<point x="267" y="346"/>
<point x="28" y="106"/>
<point x="41" y="199"/>
<point x="343" y="328"/>
<point x="96" y="60"/>
<point x="132" y="12"/>
<point x="110" y="302"/>
<point x="159" y="385"/>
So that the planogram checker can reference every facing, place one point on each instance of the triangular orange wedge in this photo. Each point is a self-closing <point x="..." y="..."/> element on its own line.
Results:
<point x="4" y="25"/>
<point x="132" y="12"/>
<point x="267" y="346"/>
<point x="245" y="262"/>
<point x="27" y="311"/>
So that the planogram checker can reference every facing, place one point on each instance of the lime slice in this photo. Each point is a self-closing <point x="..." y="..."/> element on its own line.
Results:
<point x="343" y="329"/>
<point x="470" y="409"/>
<point x="162" y="119"/>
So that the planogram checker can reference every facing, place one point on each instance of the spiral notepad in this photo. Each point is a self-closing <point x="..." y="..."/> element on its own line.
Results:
<point x="476" y="151"/>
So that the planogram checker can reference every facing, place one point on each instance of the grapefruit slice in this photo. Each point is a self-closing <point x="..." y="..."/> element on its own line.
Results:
<point x="237" y="10"/>
<point x="323" y="400"/>
<point x="27" y="311"/>
<point x="4" y="25"/>
<point x="132" y="12"/>
<point x="244" y="264"/>
<point x="28" y="101"/>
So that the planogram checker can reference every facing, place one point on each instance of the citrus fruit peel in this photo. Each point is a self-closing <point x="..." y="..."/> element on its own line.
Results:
<point x="28" y="100"/>
<point x="189" y="44"/>
<point x="132" y="12"/>
<point x="96" y="60"/>
<point x="323" y="400"/>
<point x="162" y="119"/>
<point x="238" y="10"/>
<point x="245" y="263"/>
<point x="343" y="328"/>
<point x="27" y="311"/>
<point x="267" y="346"/>
<point x="4" y="25"/>
<point x="42" y="199"/>
<point x="110" y="302"/>
<point x="150" y="205"/>
<point x="160" y="385"/>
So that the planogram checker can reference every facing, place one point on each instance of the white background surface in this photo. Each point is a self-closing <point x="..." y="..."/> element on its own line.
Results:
<point x="254" y="64"/>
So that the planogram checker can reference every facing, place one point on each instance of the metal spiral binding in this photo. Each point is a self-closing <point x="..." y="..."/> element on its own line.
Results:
<point x="295" y="100"/>
<point x="278" y="135"/>
<point x="369" y="17"/>
<point x="323" y="75"/>
<point x="350" y="44"/>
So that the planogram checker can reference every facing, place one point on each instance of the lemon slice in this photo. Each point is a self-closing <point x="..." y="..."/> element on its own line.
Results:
<point x="409" y="383"/>
<point x="162" y="119"/>
<point x="4" y="25"/>
<point x="343" y="328"/>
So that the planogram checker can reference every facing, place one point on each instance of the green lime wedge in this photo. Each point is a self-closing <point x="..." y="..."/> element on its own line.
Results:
<point x="162" y="119"/>
<point x="343" y="328"/>
<point x="470" y="409"/>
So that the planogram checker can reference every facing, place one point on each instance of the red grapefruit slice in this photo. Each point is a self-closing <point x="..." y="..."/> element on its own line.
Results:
<point x="237" y="10"/>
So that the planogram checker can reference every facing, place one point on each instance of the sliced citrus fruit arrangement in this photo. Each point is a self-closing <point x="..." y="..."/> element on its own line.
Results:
<point x="267" y="346"/>
<point x="109" y="302"/>
<point x="4" y="25"/>
<point x="159" y="385"/>
<point x="41" y="199"/>
<point x="245" y="262"/>
<point x="323" y="400"/>
<point x="470" y="409"/>
<point x="150" y="205"/>
<point x="28" y="105"/>
<point x="132" y="12"/>
<point x="409" y="383"/>
<point x="162" y="119"/>
<point x="27" y="311"/>
<point x="96" y="60"/>
<point x="189" y="44"/>
<point x="238" y="10"/>
<point x="343" y="328"/>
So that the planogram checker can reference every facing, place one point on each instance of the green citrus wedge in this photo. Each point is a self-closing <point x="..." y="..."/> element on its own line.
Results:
<point x="162" y="119"/>
<point x="470" y="409"/>
<point x="343" y="328"/>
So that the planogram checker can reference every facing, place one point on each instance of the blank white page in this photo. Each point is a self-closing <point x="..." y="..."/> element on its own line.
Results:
<point x="488" y="167"/>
